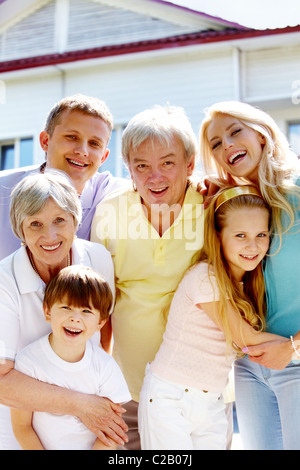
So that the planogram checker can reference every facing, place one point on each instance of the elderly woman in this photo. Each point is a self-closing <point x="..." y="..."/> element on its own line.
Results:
<point x="45" y="214"/>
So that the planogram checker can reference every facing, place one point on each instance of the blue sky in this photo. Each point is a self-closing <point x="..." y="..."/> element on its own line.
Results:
<point x="260" y="14"/>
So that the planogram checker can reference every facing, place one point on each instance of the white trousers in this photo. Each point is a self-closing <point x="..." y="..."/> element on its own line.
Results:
<point x="175" y="417"/>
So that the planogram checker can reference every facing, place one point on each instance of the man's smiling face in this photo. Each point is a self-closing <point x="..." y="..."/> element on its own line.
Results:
<point x="77" y="146"/>
<point x="160" y="172"/>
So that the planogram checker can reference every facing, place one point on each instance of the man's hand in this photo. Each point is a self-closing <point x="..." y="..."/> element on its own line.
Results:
<point x="103" y="418"/>
<point x="273" y="355"/>
<point x="207" y="189"/>
<point x="210" y="185"/>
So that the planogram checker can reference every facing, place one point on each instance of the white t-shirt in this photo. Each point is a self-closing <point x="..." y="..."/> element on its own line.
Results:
<point x="22" y="290"/>
<point x="96" y="373"/>
<point x="22" y="319"/>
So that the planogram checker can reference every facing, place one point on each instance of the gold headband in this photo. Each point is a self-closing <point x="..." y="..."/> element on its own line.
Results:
<point x="235" y="192"/>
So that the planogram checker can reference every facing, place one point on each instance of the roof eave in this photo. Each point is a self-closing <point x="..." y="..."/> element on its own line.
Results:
<point x="203" y="37"/>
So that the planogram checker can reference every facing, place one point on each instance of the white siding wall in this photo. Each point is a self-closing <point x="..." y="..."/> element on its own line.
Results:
<point x="270" y="73"/>
<point x="26" y="102"/>
<point x="26" y="106"/>
<point x="193" y="80"/>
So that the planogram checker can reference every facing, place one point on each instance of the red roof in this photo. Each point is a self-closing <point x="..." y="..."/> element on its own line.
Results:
<point x="183" y="40"/>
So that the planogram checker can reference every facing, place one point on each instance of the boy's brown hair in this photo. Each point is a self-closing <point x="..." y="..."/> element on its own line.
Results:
<point x="79" y="286"/>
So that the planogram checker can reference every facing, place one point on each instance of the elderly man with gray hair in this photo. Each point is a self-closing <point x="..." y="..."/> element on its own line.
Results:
<point x="154" y="232"/>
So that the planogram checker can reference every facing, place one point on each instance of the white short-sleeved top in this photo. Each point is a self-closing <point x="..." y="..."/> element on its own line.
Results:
<point x="96" y="373"/>
<point x="194" y="351"/>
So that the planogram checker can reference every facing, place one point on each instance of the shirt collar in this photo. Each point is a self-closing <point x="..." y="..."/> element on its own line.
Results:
<point x="26" y="278"/>
<point x="191" y="210"/>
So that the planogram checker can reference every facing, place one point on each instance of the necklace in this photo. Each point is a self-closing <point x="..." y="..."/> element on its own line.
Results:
<point x="34" y="266"/>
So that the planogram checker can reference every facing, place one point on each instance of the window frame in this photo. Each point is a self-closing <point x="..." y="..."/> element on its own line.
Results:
<point x="295" y="122"/>
<point x="120" y="170"/>
<point x="16" y="143"/>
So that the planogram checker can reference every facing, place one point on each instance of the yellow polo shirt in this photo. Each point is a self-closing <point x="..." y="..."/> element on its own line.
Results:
<point x="148" y="269"/>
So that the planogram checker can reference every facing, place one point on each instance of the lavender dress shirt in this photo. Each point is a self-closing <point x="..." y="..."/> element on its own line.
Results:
<point x="96" y="189"/>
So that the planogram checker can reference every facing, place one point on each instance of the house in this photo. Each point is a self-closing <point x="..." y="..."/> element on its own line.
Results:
<point x="134" y="54"/>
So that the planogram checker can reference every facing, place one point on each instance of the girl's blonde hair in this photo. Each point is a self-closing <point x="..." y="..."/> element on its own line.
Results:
<point x="277" y="166"/>
<point x="249" y="301"/>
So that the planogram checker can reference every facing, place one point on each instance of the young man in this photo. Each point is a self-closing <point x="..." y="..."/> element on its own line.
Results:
<point x="75" y="139"/>
<point x="154" y="233"/>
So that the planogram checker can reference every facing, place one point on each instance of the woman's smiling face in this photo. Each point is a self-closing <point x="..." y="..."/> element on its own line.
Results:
<point x="236" y="147"/>
<point x="49" y="234"/>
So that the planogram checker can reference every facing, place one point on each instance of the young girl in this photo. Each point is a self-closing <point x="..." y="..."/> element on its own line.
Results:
<point x="244" y="143"/>
<point x="219" y="300"/>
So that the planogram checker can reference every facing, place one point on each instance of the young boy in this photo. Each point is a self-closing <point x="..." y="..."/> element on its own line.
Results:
<point x="77" y="302"/>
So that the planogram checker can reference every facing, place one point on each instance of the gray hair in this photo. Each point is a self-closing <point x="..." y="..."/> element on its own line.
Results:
<point x="162" y="123"/>
<point x="31" y="194"/>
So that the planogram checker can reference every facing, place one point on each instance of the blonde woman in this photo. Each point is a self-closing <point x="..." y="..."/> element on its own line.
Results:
<point x="242" y="143"/>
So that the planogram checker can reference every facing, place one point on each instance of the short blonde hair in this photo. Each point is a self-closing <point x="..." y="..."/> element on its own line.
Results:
<point x="31" y="194"/>
<point x="85" y="104"/>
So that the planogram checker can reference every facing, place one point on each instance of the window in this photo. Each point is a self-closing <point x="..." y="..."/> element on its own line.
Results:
<point x="114" y="163"/>
<point x="294" y="137"/>
<point x="19" y="152"/>
<point x="7" y="157"/>
<point x="16" y="153"/>
<point x="26" y="152"/>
